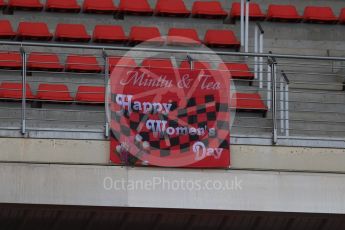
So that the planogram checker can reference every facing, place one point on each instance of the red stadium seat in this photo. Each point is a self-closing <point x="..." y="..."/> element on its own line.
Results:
<point x="139" y="7"/>
<point x="10" y="60"/>
<point x="90" y="94"/>
<point x="83" y="63"/>
<point x="99" y="6"/>
<point x="248" y="102"/>
<point x="25" y="4"/>
<point x="121" y="62"/>
<point x="72" y="33"/>
<point x="157" y="63"/>
<point x="171" y="8"/>
<point x="255" y="12"/>
<point x="2" y="4"/>
<point x="196" y="65"/>
<point x="34" y="31"/>
<point x="283" y="13"/>
<point x="63" y="6"/>
<point x="13" y="90"/>
<point x="6" y="30"/>
<point x="221" y="38"/>
<point x="44" y="61"/>
<point x="53" y="92"/>
<point x="182" y="36"/>
<point x="109" y="33"/>
<point x="237" y="70"/>
<point x="342" y="16"/>
<point x="208" y="9"/>
<point x="145" y="34"/>
<point x="319" y="14"/>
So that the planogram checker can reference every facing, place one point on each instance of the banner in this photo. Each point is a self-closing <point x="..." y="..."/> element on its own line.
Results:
<point x="170" y="117"/>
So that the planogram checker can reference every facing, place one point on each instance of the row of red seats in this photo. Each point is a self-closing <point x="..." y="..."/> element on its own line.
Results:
<point x="53" y="92"/>
<point x="317" y="14"/>
<point x="209" y="9"/>
<point x="212" y="9"/>
<point x="275" y="12"/>
<point x="50" y="62"/>
<point x="87" y="63"/>
<point x="96" y="95"/>
<point x="116" y="34"/>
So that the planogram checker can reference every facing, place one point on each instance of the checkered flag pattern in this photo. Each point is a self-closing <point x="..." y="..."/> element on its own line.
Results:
<point x="200" y="112"/>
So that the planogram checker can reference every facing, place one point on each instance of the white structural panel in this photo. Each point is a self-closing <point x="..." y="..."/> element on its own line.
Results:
<point x="277" y="158"/>
<point x="163" y="188"/>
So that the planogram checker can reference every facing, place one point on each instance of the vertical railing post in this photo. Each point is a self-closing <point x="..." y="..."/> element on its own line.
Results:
<point x="273" y="63"/>
<point x="286" y="109"/>
<point x="282" y="105"/>
<point x="256" y="50"/>
<point x="260" y="43"/>
<point x="23" y="109"/>
<point x="242" y="22"/>
<point x="246" y="47"/>
<point x="268" y="83"/>
<point x="285" y="106"/>
<point x="261" y="60"/>
<point x="106" y="102"/>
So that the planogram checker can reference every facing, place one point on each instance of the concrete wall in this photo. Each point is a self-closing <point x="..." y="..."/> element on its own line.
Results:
<point x="235" y="190"/>
<point x="54" y="151"/>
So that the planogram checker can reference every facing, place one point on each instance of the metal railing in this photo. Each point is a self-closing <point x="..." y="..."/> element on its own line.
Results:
<point x="258" y="48"/>
<point x="287" y="82"/>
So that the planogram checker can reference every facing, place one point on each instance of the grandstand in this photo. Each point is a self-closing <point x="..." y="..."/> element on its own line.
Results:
<point x="286" y="140"/>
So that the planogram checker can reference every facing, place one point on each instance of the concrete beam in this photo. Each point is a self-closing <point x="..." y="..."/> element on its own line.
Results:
<point x="163" y="188"/>
<point x="277" y="158"/>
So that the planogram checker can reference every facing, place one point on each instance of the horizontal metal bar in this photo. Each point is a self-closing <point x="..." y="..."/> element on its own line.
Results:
<point x="56" y="110"/>
<point x="316" y="102"/>
<point x="66" y="110"/>
<point x="173" y="50"/>
<point x="314" y="121"/>
<point x="330" y="139"/>
<point x="65" y="121"/>
<point x="332" y="93"/>
<point x="250" y="127"/>
<point x="248" y="118"/>
<point x="69" y="82"/>
<point x="310" y="73"/>
<point x="318" y="130"/>
<point x="10" y="128"/>
<point x="313" y="111"/>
